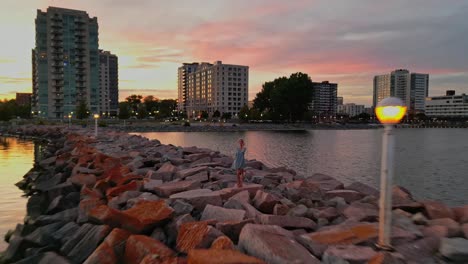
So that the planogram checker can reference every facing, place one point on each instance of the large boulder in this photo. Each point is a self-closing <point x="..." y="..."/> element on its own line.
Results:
<point x="363" y="188"/>
<point x="436" y="210"/>
<point x="233" y="229"/>
<point x="324" y="182"/>
<point x="287" y="221"/>
<point x="461" y="214"/>
<point x="221" y="214"/>
<point x="361" y="212"/>
<point x="169" y="188"/>
<point x="89" y="242"/>
<point x="165" y="173"/>
<point x="350" y="253"/>
<point x="251" y="188"/>
<point x="274" y="245"/>
<point x="455" y="249"/>
<point x="182" y="174"/>
<point x="146" y="215"/>
<point x="195" y="235"/>
<point x="265" y="202"/>
<point x="111" y="249"/>
<point x="220" y="256"/>
<point x="139" y="246"/>
<point x="348" y="195"/>
<point x="199" y="198"/>
<point x="453" y="227"/>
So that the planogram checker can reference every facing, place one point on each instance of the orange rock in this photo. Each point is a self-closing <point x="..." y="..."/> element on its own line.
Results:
<point x="87" y="205"/>
<point x="146" y="215"/>
<point x="223" y="242"/>
<point x="102" y="185"/>
<point x="115" y="173"/>
<point x="155" y="259"/>
<point x="115" y="191"/>
<point x="194" y="235"/>
<point x="219" y="256"/>
<point x="128" y="178"/>
<point x="90" y="193"/>
<point x="111" y="249"/>
<point x="105" y="215"/>
<point x="138" y="246"/>
<point x="83" y="179"/>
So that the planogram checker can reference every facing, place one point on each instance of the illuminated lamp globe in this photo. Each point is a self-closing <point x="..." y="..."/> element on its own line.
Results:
<point x="390" y="110"/>
<point x="96" y="116"/>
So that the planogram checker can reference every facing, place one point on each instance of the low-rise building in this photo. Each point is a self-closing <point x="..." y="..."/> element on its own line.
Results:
<point x="448" y="106"/>
<point x="350" y="109"/>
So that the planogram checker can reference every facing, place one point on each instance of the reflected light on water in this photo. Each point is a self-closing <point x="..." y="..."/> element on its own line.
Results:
<point x="16" y="158"/>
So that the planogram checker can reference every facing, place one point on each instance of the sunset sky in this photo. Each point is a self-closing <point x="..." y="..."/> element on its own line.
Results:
<point x="347" y="42"/>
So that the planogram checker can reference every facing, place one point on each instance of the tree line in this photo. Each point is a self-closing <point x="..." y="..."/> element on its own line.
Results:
<point x="9" y="109"/>
<point x="149" y="106"/>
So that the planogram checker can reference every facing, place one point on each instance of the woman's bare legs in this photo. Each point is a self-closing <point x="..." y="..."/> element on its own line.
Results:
<point x="240" y="177"/>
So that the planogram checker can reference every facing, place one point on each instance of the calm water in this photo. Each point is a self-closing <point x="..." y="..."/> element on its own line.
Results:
<point x="432" y="163"/>
<point x="16" y="158"/>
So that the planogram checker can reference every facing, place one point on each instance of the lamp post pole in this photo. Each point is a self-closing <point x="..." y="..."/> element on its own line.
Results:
<point x="96" y="117"/>
<point x="389" y="111"/>
<point x="69" y="121"/>
<point x="386" y="179"/>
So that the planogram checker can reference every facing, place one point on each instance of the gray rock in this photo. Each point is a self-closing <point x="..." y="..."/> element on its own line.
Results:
<point x="89" y="243"/>
<point x="363" y="188"/>
<point x="286" y="221"/>
<point x="61" y="189"/>
<point x="350" y="253"/>
<point x="361" y="212"/>
<point x="348" y="195"/>
<point x="453" y="227"/>
<point x="180" y="207"/>
<point x="419" y="251"/>
<point x="65" y="232"/>
<point x="281" y="209"/>
<point x="182" y="174"/>
<point x="16" y="247"/>
<point x="233" y="229"/>
<point x="150" y="184"/>
<point x="165" y="173"/>
<point x="146" y="196"/>
<point x="52" y="257"/>
<point x="221" y="214"/>
<point x="77" y="237"/>
<point x="69" y="215"/>
<point x="338" y="202"/>
<point x="455" y="249"/>
<point x="169" y="188"/>
<point x="44" y="235"/>
<point x="201" y="177"/>
<point x="274" y="245"/>
<point x="199" y="198"/>
<point x="299" y="211"/>
<point x="405" y="223"/>
<point x="158" y="234"/>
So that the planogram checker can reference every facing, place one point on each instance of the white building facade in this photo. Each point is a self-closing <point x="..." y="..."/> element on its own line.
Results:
<point x="350" y="109"/>
<point x="212" y="87"/>
<point x="450" y="105"/>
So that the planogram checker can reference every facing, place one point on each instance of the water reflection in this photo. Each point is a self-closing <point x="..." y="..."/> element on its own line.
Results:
<point x="429" y="162"/>
<point x="16" y="158"/>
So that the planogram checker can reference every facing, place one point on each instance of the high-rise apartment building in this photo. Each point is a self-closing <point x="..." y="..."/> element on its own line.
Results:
<point x="324" y="98"/>
<point x="411" y="88"/>
<point x="65" y="62"/>
<point x="109" y="83"/>
<point x="419" y="91"/>
<point x="382" y="88"/>
<point x="212" y="87"/>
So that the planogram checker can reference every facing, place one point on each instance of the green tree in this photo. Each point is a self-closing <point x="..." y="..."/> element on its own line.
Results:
<point x="254" y="114"/>
<point x="285" y="98"/>
<point x="216" y="114"/>
<point x="134" y="101"/>
<point x="151" y="103"/>
<point x="82" y="110"/>
<point x="142" y="113"/>
<point x="166" y="107"/>
<point x="226" y="116"/>
<point x="124" y="110"/>
<point x="244" y="113"/>
<point x="204" y="115"/>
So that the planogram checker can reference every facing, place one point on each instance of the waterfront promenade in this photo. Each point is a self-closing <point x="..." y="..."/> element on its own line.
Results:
<point x="126" y="198"/>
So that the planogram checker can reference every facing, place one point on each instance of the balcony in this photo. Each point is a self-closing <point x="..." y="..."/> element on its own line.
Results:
<point x="56" y="31"/>
<point x="57" y="76"/>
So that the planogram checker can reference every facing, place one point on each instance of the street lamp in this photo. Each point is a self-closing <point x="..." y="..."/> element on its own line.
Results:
<point x="96" y="117"/>
<point x="389" y="111"/>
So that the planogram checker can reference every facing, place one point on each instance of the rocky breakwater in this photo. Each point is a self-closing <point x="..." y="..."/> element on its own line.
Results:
<point x="126" y="199"/>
